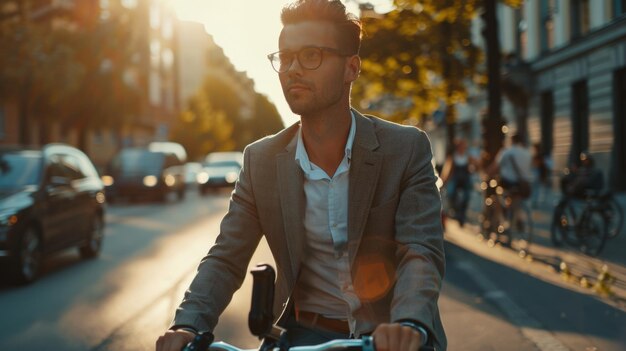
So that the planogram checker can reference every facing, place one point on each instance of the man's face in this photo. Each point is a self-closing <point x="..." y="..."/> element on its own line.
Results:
<point x="311" y="91"/>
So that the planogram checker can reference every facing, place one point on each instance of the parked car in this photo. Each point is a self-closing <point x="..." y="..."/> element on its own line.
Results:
<point x="139" y="172"/>
<point x="169" y="147"/>
<point x="51" y="198"/>
<point x="191" y="172"/>
<point x="221" y="169"/>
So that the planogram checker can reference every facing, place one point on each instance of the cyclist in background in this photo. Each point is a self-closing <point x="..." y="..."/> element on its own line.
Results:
<point x="514" y="165"/>
<point x="584" y="178"/>
<point x="457" y="175"/>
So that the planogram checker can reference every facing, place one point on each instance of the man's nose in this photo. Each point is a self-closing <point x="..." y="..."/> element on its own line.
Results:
<point x="295" y="68"/>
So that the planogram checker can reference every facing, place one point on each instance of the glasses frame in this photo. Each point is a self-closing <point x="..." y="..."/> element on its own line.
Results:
<point x="296" y="55"/>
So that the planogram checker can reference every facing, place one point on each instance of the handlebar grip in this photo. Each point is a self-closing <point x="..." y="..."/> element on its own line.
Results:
<point x="261" y="314"/>
<point x="200" y="343"/>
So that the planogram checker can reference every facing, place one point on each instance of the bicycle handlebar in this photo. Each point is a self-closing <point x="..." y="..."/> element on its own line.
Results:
<point x="364" y="344"/>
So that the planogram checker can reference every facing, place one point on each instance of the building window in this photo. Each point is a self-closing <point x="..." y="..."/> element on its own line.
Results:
<point x="547" y="121"/>
<point x="618" y="174"/>
<point x="548" y="9"/>
<point x="580" y="18"/>
<point x="580" y="119"/>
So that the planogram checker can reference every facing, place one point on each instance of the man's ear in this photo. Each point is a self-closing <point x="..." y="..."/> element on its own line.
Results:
<point x="353" y="69"/>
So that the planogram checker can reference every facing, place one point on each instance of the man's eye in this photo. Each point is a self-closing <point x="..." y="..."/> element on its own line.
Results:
<point x="284" y="57"/>
<point x="309" y="54"/>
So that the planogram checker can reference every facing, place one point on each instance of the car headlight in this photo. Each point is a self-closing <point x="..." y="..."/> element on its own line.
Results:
<point x="8" y="218"/>
<point x="150" y="181"/>
<point x="107" y="180"/>
<point x="170" y="180"/>
<point x="202" y="177"/>
<point x="231" y="177"/>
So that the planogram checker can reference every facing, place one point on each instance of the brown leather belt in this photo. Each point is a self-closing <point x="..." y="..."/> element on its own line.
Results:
<point x="317" y="321"/>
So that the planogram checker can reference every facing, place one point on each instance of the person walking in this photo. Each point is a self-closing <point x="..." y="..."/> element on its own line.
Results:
<point x="542" y="170"/>
<point x="514" y="165"/>
<point x="348" y="204"/>
<point x="457" y="176"/>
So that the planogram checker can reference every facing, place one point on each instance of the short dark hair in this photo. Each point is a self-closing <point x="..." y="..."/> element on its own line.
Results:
<point x="347" y="25"/>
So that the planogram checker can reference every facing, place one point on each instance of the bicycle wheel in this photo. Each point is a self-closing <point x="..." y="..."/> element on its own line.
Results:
<point x="563" y="224"/>
<point x="592" y="232"/>
<point x="521" y="227"/>
<point x="614" y="217"/>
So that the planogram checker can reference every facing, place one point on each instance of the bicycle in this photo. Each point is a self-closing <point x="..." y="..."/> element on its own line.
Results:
<point x="507" y="218"/>
<point x="600" y="218"/>
<point x="614" y="214"/>
<point x="260" y="324"/>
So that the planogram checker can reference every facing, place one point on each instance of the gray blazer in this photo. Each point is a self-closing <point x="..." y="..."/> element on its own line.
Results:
<point x="395" y="236"/>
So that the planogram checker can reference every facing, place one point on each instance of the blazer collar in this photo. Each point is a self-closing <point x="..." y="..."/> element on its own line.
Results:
<point x="364" y="172"/>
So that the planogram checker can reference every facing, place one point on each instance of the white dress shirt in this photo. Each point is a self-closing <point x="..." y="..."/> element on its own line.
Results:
<point x="325" y="284"/>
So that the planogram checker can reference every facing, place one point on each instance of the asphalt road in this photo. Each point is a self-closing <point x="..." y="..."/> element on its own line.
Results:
<point x="126" y="298"/>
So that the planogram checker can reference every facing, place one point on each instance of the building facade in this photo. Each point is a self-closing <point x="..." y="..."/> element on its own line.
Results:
<point x="576" y="52"/>
<point x="569" y="56"/>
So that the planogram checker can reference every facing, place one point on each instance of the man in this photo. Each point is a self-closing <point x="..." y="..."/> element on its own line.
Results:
<point x="514" y="164"/>
<point x="348" y="205"/>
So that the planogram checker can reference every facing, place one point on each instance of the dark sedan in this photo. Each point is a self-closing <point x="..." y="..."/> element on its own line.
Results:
<point x="51" y="198"/>
<point x="142" y="173"/>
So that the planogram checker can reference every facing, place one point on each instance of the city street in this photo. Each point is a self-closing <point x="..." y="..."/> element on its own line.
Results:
<point x="126" y="298"/>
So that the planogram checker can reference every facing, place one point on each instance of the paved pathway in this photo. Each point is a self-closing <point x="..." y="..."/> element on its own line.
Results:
<point x="589" y="274"/>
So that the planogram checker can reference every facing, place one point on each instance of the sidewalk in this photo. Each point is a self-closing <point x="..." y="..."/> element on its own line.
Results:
<point x="603" y="276"/>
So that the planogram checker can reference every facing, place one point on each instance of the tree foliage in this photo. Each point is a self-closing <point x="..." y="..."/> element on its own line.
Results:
<point x="420" y="54"/>
<point x="68" y="69"/>
<point x="213" y="119"/>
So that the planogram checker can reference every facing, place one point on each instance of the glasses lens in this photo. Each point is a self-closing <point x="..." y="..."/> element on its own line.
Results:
<point x="310" y="58"/>
<point x="281" y="61"/>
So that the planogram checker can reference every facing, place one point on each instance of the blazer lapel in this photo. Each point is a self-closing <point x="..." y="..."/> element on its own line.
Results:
<point x="292" y="201"/>
<point x="364" y="172"/>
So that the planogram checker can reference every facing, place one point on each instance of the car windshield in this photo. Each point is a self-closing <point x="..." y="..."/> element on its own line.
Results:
<point x="138" y="162"/>
<point x="19" y="169"/>
<point x="216" y="164"/>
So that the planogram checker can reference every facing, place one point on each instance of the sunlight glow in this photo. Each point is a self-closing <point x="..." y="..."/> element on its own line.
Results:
<point x="248" y="31"/>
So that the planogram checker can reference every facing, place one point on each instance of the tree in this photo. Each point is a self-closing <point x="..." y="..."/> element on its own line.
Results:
<point x="104" y="52"/>
<point x="213" y="121"/>
<point x="208" y="122"/>
<point x="421" y="54"/>
<point x="61" y="68"/>
<point x="265" y="120"/>
<point x="35" y="57"/>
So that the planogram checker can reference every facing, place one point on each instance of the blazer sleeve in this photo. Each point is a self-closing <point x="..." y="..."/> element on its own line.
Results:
<point x="222" y="271"/>
<point x="420" y="253"/>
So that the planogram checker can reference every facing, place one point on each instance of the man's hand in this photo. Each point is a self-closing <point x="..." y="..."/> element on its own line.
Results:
<point x="396" y="337"/>
<point x="174" y="340"/>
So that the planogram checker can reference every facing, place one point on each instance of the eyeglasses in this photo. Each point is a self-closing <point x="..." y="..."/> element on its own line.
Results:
<point x="309" y="58"/>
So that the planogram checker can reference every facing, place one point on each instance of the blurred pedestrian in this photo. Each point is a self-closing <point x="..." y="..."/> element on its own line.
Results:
<point x="513" y="165"/>
<point x="457" y="176"/>
<point x="348" y="204"/>
<point x="542" y="169"/>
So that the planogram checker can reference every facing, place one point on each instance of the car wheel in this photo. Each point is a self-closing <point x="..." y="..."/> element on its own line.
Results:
<point x="93" y="245"/>
<point x="29" y="256"/>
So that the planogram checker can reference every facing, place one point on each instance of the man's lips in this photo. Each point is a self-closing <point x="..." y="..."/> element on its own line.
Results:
<point x="297" y="87"/>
